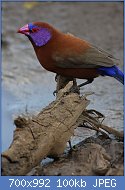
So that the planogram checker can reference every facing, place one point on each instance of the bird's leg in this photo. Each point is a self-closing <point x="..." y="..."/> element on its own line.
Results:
<point x="85" y="83"/>
<point x="62" y="81"/>
<point x="76" y="88"/>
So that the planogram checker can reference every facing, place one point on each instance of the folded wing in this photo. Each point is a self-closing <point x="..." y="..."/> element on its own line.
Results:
<point x="93" y="57"/>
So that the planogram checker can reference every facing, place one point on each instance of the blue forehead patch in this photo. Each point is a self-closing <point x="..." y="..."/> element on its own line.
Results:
<point x="31" y="26"/>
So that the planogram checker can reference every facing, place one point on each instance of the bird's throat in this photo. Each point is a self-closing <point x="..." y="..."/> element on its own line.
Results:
<point x="41" y="37"/>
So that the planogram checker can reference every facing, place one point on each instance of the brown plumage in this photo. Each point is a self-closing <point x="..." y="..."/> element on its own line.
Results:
<point x="66" y="54"/>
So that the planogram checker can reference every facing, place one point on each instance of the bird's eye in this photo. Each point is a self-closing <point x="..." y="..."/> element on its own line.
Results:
<point x="34" y="30"/>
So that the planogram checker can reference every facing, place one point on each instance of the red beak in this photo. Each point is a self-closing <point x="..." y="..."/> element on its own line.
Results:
<point x="24" y="30"/>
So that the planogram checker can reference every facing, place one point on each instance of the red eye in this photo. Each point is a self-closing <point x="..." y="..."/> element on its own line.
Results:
<point x="35" y="29"/>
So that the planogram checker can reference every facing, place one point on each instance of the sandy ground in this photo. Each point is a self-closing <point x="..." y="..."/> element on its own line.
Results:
<point x="26" y="86"/>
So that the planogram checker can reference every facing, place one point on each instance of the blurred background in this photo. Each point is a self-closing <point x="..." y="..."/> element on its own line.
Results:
<point x="27" y="87"/>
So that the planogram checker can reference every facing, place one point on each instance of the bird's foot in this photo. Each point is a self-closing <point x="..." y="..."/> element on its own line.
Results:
<point x="75" y="89"/>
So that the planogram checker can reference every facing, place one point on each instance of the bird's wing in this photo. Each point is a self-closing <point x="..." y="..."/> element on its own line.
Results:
<point x="93" y="57"/>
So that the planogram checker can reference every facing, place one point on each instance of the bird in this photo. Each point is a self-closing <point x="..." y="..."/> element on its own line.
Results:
<point x="67" y="55"/>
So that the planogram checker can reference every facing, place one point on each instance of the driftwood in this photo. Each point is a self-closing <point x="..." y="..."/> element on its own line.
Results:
<point x="47" y="133"/>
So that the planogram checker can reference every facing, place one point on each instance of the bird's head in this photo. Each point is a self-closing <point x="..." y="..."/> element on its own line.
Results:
<point x="38" y="32"/>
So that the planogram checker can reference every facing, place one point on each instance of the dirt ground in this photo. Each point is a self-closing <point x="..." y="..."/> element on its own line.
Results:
<point x="27" y="87"/>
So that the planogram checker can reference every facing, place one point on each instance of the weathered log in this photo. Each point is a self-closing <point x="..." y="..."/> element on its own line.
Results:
<point x="44" y="134"/>
<point x="47" y="133"/>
